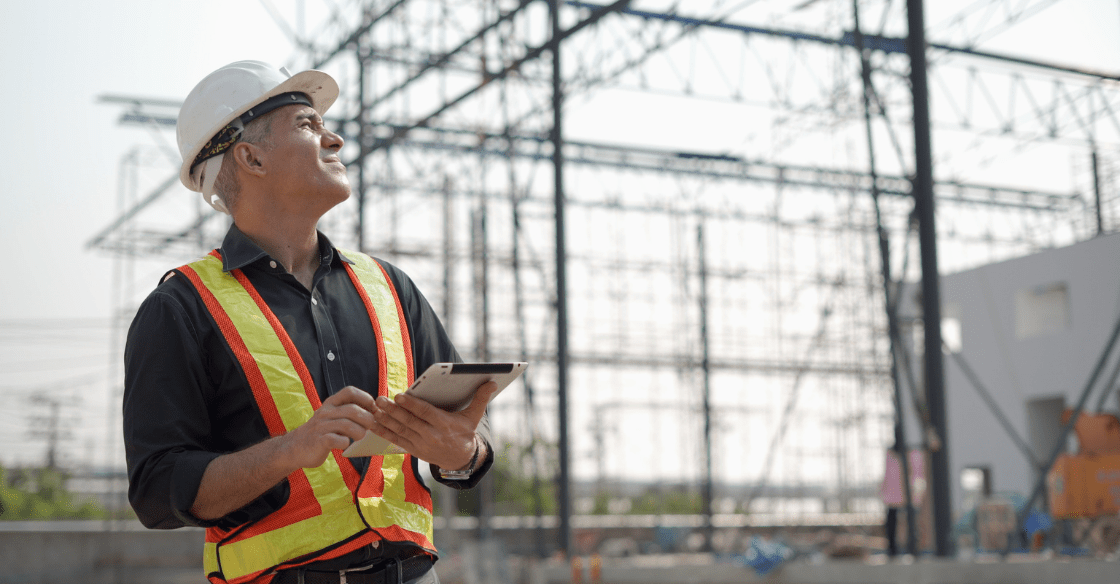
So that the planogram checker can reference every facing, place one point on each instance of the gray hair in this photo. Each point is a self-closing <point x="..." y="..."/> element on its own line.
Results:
<point x="227" y="186"/>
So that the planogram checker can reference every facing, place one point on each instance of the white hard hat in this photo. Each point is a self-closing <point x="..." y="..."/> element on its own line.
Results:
<point x="227" y="99"/>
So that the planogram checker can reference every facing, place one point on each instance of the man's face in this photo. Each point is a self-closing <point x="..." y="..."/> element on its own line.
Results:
<point x="304" y="166"/>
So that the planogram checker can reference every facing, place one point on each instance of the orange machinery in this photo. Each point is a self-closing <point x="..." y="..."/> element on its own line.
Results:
<point x="1086" y="485"/>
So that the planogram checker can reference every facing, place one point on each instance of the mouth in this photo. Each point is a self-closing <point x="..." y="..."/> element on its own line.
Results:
<point x="332" y="159"/>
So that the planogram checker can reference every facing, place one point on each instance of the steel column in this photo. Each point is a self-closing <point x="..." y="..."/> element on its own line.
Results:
<point x="564" y="537"/>
<point x="706" y="369"/>
<point x="900" y="446"/>
<point x="931" y="293"/>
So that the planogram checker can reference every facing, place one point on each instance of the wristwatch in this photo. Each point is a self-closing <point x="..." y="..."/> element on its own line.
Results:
<point x="462" y="475"/>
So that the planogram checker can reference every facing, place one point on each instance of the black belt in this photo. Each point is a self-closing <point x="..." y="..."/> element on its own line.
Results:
<point x="384" y="572"/>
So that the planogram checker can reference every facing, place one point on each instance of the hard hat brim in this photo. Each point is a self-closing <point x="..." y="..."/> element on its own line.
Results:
<point x="320" y="87"/>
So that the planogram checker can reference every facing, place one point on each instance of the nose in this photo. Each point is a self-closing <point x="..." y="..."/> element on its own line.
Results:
<point x="332" y="141"/>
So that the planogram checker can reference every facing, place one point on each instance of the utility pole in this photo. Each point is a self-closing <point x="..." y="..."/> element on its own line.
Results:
<point x="49" y="427"/>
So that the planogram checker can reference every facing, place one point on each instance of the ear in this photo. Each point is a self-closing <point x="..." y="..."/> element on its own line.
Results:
<point x="249" y="158"/>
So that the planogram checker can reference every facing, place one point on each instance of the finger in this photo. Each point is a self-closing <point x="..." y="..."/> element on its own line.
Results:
<point x="343" y="427"/>
<point x="388" y="434"/>
<point x="382" y="431"/>
<point x="481" y="399"/>
<point x="351" y="395"/>
<point x="337" y="441"/>
<point x="396" y="418"/>
<point x="355" y="413"/>
<point x="415" y="406"/>
<point x="350" y="412"/>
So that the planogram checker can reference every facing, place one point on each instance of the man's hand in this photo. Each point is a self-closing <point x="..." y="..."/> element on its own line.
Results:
<point x="445" y="439"/>
<point x="233" y="480"/>
<point x="343" y="417"/>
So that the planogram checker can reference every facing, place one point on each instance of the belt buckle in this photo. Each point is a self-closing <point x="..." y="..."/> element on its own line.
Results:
<point x="342" y="573"/>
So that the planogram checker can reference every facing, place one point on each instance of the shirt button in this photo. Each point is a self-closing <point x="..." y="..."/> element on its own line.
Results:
<point x="272" y="263"/>
<point x="330" y="355"/>
<point x="315" y="302"/>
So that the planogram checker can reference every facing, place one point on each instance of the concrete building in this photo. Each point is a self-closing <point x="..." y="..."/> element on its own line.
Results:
<point x="1032" y="330"/>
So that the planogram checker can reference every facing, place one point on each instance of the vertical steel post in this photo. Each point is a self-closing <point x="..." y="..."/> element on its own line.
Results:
<point x="931" y="293"/>
<point x="705" y="365"/>
<point x="564" y="537"/>
<point x="449" y="497"/>
<point x="482" y="298"/>
<point x="1097" y="191"/>
<point x="362" y="152"/>
<point x="900" y="446"/>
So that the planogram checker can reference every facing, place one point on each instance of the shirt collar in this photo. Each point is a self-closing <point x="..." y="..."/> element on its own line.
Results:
<point x="239" y="251"/>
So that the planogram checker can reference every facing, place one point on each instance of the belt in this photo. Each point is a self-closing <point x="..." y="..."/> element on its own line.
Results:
<point x="384" y="572"/>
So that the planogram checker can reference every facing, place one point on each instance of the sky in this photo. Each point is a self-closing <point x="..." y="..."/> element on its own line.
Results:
<point x="60" y="160"/>
<point x="58" y="57"/>
<point x="60" y="167"/>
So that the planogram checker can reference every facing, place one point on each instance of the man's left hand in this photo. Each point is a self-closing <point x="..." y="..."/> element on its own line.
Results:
<point x="445" y="439"/>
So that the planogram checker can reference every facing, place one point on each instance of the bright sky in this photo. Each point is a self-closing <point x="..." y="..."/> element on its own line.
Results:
<point x="60" y="168"/>
<point x="60" y="162"/>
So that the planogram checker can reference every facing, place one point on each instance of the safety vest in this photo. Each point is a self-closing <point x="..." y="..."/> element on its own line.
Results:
<point x="331" y="510"/>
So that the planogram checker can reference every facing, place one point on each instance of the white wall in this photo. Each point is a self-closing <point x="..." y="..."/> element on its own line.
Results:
<point x="1015" y="367"/>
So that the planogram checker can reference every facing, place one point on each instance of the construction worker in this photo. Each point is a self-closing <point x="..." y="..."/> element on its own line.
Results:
<point x="247" y="371"/>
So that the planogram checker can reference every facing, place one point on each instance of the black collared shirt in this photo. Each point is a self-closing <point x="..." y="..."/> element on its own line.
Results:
<point x="186" y="400"/>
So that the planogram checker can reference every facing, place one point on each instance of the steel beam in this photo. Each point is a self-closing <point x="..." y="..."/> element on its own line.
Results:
<point x="875" y="42"/>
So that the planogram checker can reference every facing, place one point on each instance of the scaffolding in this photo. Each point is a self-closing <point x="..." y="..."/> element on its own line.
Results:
<point x="666" y="208"/>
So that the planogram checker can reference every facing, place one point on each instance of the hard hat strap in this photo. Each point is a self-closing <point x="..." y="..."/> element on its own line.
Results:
<point x="230" y="134"/>
<point x="210" y="169"/>
<point x="221" y="142"/>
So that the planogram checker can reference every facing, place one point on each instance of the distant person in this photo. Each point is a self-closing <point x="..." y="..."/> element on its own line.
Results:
<point x="893" y="494"/>
<point x="247" y="371"/>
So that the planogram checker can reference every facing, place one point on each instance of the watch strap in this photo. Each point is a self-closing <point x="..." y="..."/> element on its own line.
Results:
<point x="462" y="475"/>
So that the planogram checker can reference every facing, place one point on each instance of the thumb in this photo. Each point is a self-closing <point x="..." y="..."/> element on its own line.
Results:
<point x="481" y="399"/>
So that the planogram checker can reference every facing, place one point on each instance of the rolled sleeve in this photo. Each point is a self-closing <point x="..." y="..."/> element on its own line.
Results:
<point x="166" y="423"/>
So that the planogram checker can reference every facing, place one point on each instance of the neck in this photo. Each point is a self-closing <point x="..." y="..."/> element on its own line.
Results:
<point x="290" y="239"/>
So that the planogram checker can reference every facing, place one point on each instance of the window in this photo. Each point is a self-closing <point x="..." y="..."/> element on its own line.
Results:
<point x="1041" y="310"/>
<point x="951" y="327"/>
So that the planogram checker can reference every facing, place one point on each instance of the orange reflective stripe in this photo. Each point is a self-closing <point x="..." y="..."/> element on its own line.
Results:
<point x="381" y="301"/>
<point x="406" y="340"/>
<point x="375" y="322"/>
<point x="248" y="364"/>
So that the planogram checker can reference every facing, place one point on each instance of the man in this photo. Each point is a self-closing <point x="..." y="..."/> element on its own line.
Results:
<point x="247" y="371"/>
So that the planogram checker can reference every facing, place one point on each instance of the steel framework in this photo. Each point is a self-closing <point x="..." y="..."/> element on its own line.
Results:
<point x="674" y="224"/>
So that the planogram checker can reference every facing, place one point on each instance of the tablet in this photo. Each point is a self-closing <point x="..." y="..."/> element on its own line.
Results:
<point x="449" y="386"/>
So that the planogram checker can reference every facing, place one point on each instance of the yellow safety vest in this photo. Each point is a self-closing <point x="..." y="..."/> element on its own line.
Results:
<point x="331" y="510"/>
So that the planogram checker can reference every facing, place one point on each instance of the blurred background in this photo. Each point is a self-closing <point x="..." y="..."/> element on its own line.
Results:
<point x="705" y="281"/>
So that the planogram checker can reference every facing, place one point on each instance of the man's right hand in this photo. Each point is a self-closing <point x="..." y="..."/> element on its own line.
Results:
<point x="233" y="480"/>
<point x="343" y="417"/>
